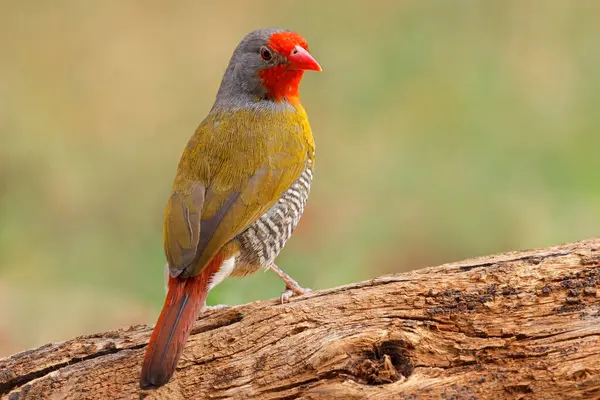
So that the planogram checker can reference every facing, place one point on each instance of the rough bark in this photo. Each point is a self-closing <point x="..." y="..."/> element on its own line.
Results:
<point x="516" y="325"/>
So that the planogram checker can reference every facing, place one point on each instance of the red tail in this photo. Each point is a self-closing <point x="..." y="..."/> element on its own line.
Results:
<point x="182" y="306"/>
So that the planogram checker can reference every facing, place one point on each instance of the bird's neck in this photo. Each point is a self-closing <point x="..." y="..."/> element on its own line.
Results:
<point x="243" y="101"/>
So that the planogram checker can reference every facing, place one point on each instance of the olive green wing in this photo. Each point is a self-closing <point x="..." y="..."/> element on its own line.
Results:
<point x="182" y="226"/>
<point x="202" y="216"/>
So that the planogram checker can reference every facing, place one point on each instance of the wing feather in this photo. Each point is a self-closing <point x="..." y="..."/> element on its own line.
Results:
<point x="222" y="188"/>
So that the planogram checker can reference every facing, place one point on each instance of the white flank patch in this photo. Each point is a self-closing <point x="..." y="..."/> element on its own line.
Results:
<point x="222" y="273"/>
<point x="166" y="278"/>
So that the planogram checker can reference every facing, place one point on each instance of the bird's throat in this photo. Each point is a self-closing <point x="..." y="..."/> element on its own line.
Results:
<point x="281" y="83"/>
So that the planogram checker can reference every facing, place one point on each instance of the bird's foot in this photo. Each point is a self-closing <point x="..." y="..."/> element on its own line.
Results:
<point x="291" y="286"/>
<point x="289" y="292"/>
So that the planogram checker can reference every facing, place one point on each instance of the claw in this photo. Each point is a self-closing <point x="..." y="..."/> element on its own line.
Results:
<point x="286" y="295"/>
<point x="294" y="291"/>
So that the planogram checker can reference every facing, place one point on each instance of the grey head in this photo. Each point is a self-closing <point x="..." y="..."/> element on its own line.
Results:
<point x="241" y="82"/>
<point x="282" y="52"/>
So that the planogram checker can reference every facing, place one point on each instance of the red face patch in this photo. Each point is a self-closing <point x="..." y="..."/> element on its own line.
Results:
<point x="284" y="42"/>
<point x="280" y="82"/>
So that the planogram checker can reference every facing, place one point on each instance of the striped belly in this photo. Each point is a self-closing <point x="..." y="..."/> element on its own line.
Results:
<point x="262" y="241"/>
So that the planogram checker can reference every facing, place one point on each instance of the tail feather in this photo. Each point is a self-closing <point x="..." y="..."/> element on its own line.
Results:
<point x="182" y="306"/>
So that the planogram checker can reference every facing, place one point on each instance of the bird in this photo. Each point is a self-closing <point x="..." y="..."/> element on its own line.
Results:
<point x="240" y="188"/>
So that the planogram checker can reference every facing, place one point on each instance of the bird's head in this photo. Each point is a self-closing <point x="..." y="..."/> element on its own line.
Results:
<point x="267" y="64"/>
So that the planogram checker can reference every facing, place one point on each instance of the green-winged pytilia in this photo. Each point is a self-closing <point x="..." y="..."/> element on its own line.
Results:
<point x="240" y="188"/>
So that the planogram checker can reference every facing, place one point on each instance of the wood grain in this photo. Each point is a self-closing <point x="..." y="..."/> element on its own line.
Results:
<point x="520" y="325"/>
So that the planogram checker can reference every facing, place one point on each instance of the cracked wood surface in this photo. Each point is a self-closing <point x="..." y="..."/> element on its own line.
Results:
<point x="517" y="325"/>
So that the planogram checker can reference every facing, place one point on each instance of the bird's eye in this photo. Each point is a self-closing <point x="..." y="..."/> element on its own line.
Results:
<point x="265" y="54"/>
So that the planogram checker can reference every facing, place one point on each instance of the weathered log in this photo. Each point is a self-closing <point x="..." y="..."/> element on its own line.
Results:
<point x="516" y="325"/>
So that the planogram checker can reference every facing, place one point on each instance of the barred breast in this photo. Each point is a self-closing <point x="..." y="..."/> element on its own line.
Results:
<point x="262" y="241"/>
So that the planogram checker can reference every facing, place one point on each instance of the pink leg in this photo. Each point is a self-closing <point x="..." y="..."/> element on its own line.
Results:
<point x="291" y="286"/>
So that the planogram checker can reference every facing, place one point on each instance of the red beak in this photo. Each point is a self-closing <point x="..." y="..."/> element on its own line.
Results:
<point x="300" y="59"/>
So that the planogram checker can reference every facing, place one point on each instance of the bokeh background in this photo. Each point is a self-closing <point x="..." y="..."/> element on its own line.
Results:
<point x="444" y="130"/>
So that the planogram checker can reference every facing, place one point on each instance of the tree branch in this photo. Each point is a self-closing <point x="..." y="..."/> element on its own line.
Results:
<point x="516" y="325"/>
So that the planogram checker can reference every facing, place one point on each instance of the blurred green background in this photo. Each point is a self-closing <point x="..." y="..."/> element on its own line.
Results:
<point x="444" y="130"/>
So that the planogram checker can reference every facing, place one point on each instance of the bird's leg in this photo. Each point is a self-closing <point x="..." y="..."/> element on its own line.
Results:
<point x="291" y="286"/>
